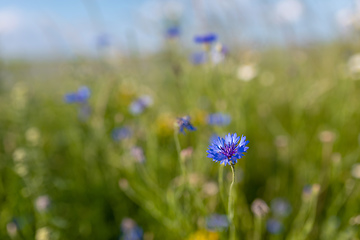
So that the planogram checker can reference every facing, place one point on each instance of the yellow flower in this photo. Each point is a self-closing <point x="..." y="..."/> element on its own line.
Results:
<point x="204" y="235"/>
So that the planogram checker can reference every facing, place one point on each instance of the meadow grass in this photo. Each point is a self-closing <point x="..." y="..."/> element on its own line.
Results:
<point x="300" y="113"/>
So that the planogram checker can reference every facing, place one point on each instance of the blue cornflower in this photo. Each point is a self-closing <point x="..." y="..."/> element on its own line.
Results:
<point x="172" y="32"/>
<point x="281" y="207"/>
<point x="140" y="104"/>
<point x="81" y="96"/>
<point x="217" y="221"/>
<point x="121" y="133"/>
<point x="274" y="226"/>
<point x="198" y="58"/>
<point x="130" y="230"/>
<point x="219" y="119"/>
<point x="228" y="150"/>
<point x="206" y="38"/>
<point x="103" y="40"/>
<point x="184" y="122"/>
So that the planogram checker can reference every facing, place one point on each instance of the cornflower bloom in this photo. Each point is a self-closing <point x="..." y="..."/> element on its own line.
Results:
<point x="216" y="222"/>
<point x="121" y="133"/>
<point x="274" y="226"/>
<point x="219" y="119"/>
<point x="184" y="122"/>
<point x="228" y="150"/>
<point x="206" y="38"/>
<point x="81" y="96"/>
<point x="130" y="230"/>
<point x="281" y="207"/>
<point x="198" y="58"/>
<point x="172" y="32"/>
<point x="140" y="104"/>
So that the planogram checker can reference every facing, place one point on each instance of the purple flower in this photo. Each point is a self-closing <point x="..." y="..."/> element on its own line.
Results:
<point x="172" y="32"/>
<point x="228" y="150"/>
<point x="121" y="133"/>
<point x="130" y="230"/>
<point x="103" y="40"/>
<point x="184" y="122"/>
<point x="138" y="154"/>
<point x="274" y="226"/>
<point x="219" y="119"/>
<point x="206" y="38"/>
<point x="217" y="221"/>
<point x="81" y="96"/>
<point x="281" y="207"/>
<point x="140" y="104"/>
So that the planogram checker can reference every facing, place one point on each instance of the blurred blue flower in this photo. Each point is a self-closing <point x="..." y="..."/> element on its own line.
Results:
<point x="228" y="150"/>
<point x="140" y="104"/>
<point x="121" y="133"/>
<point x="173" y="32"/>
<point x="103" y="40"/>
<point x="281" y="207"/>
<point x="138" y="154"/>
<point x="130" y="230"/>
<point x="219" y="119"/>
<point x="184" y="122"/>
<point x="198" y="58"/>
<point x="206" y="38"/>
<point x="216" y="222"/>
<point x="274" y="226"/>
<point x="81" y="96"/>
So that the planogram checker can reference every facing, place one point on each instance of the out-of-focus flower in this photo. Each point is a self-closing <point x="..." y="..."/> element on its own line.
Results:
<point x="173" y="32"/>
<point x="259" y="208"/>
<point x="218" y="53"/>
<point x="246" y="72"/>
<point x="138" y="154"/>
<point x="199" y="58"/>
<point x="217" y="222"/>
<point x="123" y="184"/>
<point x="354" y="65"/>
<point x="140" y="104"/>
<point x="327" y="137"/>
<point x="186" y="153"/>
<point x="228" y="150"/>
<point x="42" y="234"/>
<point x="130" y="230"/>
<point x="355" y="220"/>
<point x="355" y="170"/>
<point x="12" y="228"/>
<point x="203" y="235"/>
<point x="274" y="226"/>
<point x="309" y="191"/>
<point x="103" y="40"/>
<point x="281" y="207"/>
<point x="206" y="38"/>
<point x="81" y="96"/>
<point x="42" y="203"/>
<point x="32" y="135"/>
<point x="184" y="122"/>
<point x="289" y="11"/>
<point x="19" y="155"/>
<point x="219" y="119"/>
<point x="210" y="188"/>
<point x="121" y="133"/>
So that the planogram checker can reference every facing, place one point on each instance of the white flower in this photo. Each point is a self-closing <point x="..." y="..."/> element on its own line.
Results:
<point x="246" y="72"/>
<point x="32" y="135"/>
<point x="354" y="64"/>
<point x="42" y="203"/>
<point x="355" y="171"/>
<point x="42" y="234"/>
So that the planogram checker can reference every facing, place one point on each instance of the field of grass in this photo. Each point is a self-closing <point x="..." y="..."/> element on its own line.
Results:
<point x="70" y="170"/>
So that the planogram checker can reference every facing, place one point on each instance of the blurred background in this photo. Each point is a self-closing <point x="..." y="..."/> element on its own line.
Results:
<point x="91" y="93"/>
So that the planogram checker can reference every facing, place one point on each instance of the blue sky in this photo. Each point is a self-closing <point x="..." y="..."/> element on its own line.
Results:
<point x="39" y="28"/>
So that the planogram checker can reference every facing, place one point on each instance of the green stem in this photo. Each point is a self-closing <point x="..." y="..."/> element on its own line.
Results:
<point x="230" y="206"/>
<point x="257" y="228"/>
<point x="221" y="184"/>
<point x="178" y="149"/>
